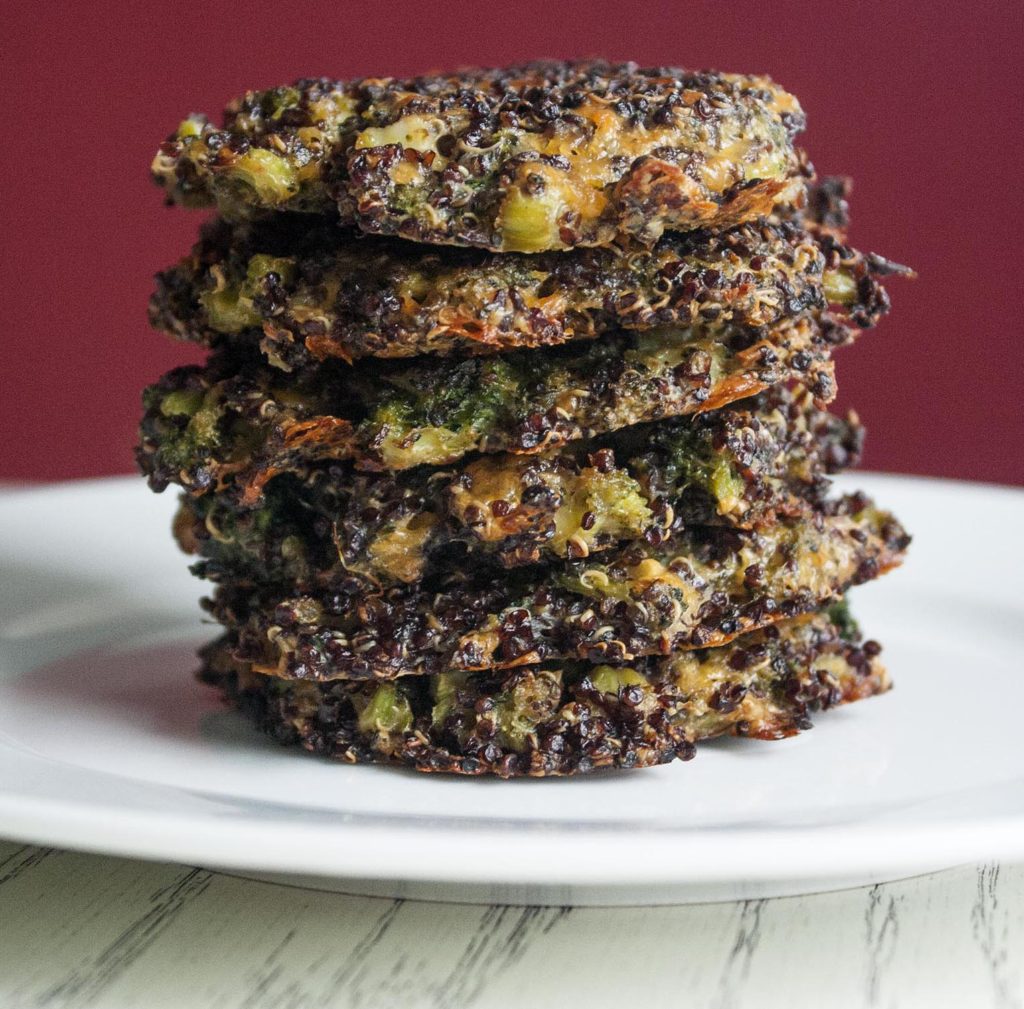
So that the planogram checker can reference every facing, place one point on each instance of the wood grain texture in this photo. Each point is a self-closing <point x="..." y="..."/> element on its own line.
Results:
<point x="88" y="931"/>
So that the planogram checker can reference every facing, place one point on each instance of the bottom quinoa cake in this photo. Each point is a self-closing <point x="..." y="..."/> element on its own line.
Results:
<point x="567" y="718"/>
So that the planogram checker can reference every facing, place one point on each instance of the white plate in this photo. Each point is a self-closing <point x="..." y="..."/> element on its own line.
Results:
<point x="107" y="744"/>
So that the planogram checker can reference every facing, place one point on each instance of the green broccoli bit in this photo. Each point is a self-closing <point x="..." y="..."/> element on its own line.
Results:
<point x="840" y="615"/>
<point x="181" y="402"/>
<point x="612" y="679"/>
<point x="445" y="688"/>
<point x="532" y="700"/>
<point x="230" y="309"/>
<point x="726" y="486"/>
<point x="840" y="287"/>
<point x="387" y="711"/>
<point x="270" y="178"/>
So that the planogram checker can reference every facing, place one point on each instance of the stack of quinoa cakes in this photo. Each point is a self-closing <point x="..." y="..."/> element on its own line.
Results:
<point x="511" y="452"/>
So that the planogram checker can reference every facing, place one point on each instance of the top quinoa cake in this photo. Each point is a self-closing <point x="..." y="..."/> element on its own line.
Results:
<point x="522" y="159"/>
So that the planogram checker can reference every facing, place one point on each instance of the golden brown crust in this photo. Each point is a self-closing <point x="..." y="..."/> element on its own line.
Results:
<point x="528" y="158"/>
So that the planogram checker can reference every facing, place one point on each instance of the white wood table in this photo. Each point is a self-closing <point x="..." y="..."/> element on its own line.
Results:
<point x="86" y="930"/>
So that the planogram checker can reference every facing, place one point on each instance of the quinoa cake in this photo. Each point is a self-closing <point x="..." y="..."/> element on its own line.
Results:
<point x="522" y="159"/>
<point x="510" y="452"/>
<point x="702" y="588"/>
<point x="239" y="422"/>
<point x="747" y="465"/>
<point x="306" y="292"/>
<point x="566" y="718"/>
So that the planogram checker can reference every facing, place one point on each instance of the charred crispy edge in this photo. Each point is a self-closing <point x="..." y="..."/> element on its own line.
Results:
<point x="292" y="437"/>
<point x="658" y="195"/>
<point x="776" y="451"/>
<point x="587" y="729"/>
<point x="828" y="205"/>
<point x="827" y="215"/>
<point x="346" y="632"/>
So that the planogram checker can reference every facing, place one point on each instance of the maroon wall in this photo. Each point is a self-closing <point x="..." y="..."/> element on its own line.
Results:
<point x="920" y="102"/>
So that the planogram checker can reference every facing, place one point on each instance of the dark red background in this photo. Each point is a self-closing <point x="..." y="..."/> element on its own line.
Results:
<point x="920" y="102"/>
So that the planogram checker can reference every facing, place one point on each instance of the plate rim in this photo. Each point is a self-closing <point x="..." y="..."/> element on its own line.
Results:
<point x="550" y="858"/>
<point x="449" y="853"/>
